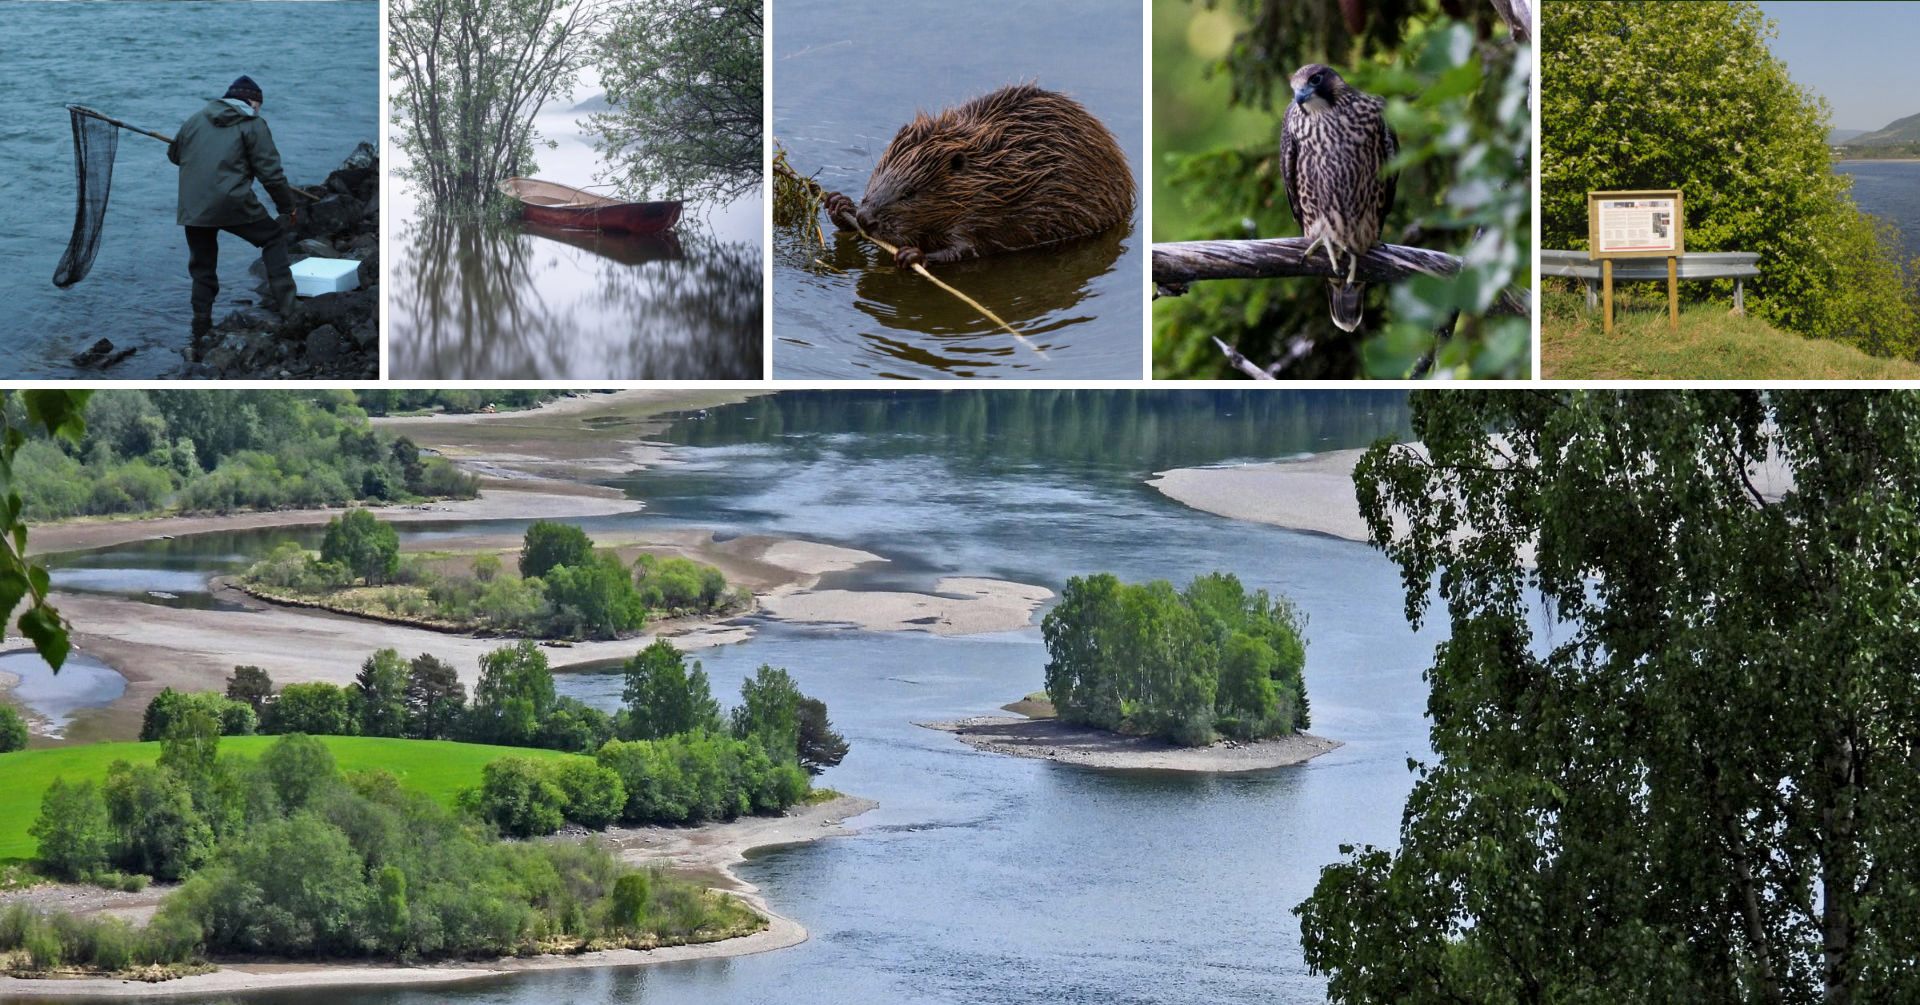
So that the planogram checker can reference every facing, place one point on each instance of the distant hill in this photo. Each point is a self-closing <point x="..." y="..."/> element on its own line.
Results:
<point x="1837" y="137"/>
<point x="597" y="103"/>
<point x="1896" y="133"/>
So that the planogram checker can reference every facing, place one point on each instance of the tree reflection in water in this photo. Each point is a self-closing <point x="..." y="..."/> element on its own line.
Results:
<point x="1041" y="293"/>
<point x="476" y="302"/>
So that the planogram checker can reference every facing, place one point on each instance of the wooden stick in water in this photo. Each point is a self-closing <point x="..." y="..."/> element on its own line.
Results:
<point x="969" y="301"/>
<point x="814" y="186"/>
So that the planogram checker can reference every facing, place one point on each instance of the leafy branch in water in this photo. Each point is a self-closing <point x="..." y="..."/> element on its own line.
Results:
<point x="61" y="414"/>
<point x="684" y="81"/>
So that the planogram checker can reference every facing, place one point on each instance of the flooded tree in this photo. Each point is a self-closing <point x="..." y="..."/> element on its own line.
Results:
<point x="683" y="79"/>
<point x="469" y="77"/>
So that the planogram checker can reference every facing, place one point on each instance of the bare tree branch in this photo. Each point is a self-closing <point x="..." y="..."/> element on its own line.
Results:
<point x="1183" y="262"/>
<point x="1518" y="15"/>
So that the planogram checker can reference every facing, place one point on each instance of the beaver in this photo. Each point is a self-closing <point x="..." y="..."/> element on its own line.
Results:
<point x="1017" y="168"/>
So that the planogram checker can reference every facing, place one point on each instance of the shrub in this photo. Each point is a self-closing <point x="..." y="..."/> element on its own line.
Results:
<point x="518" y="798"/>
<point x="13" y="730"/>
<point x="157" y="830"/>
<point x="631" y="903"/>
<point x="593" y="795"/>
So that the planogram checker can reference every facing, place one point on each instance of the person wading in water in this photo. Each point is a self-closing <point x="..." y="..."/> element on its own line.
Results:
<point x="222" y="149"/>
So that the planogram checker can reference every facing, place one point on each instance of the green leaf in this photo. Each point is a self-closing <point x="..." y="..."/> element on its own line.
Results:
<point x="49" y="634"/>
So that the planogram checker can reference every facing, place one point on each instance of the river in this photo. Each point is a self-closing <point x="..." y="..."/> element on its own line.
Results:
<point x="1889" y="190"/>
<point x="153" y="64"/>
<point x="511" y="302"/>
<point x="984" y="878"/>
<point x="846" y="77"/>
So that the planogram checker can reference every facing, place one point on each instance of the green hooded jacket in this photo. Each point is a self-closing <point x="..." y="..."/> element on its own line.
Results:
<point x="222" y="149"/>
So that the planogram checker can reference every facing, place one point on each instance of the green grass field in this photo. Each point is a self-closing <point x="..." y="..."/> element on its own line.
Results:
<point x="1711" y="344"/>
<point x="439" y="768"/>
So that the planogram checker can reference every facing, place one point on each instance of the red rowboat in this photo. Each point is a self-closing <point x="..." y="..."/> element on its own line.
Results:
<point x="558" y="205"/>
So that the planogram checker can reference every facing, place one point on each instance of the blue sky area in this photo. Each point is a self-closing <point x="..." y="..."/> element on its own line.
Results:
<point x="1861" y="57"/>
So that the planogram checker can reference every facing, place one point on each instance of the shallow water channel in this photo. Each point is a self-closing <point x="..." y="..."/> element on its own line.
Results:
<point x="984" y="878"/>
<point x="846" y="77"/>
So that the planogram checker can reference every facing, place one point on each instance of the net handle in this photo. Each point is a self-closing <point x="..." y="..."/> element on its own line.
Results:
<point x="84" y="110"/>
<point x="162" y="137"/>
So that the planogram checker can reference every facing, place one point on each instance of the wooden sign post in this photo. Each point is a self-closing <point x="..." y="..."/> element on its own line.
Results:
<point x="1645" y="224"/>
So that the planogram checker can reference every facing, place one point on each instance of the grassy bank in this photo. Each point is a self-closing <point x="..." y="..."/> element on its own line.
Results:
<point x="439" y="768"/>
<point x="1711" y="344"/>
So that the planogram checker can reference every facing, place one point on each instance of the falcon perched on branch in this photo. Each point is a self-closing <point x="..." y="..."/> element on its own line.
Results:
<point x="1333" y="144"/>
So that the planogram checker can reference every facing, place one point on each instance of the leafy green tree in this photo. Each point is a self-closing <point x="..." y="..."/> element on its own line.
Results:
<point x="191" y="742"/>
<point x="1247" y="692"/>
<point x="769" y="713"/>
<point x="548" y="544"/>
<point x="820" y="747"/>
<point x="380" y="690"/>
<point x="230" y="717"/>
<point x="595" y="598"/>
<point x="632" y="901"/>
<point x="309" y="885"/>
<point x="518" y="796"/>
<point x="250" y="684"/>
<point x="363" y="544"/>
<point x="664" y="697"/>
<point x="1729" y="127"/>
<point x="73" y="830"/>
<point x="299" y="768"/>
<point x="514" y="694"/>
<point x="319" y="709"/>
<point x="13" y="730"/>
<point x="157" y="830"/>
<point x="486" y="568"/>
<point x="1674" y="715"/>
<point x="592" y="794"/>
<point x="60" y="414"/>
<point x="683" y="79"/>
<point x="576" y="726"/>
<point x="435" y="698"/>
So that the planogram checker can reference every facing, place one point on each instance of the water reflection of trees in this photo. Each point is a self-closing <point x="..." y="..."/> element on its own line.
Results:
<point x="1042" y="293"/>
<point x="1141" y="431"/>
<point x="479" y="302"/>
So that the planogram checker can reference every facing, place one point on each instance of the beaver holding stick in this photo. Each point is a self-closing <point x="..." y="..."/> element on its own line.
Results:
<point x="1017" y="168"/>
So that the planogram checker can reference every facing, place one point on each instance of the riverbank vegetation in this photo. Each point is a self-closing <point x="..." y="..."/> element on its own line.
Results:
<point x="1674" y="716"/>
<point x="1711" y="344"/>
<point x="564" y="587"/>
<point x="289" y="857"/>
<point x="452" y="400"/>
<point x="1747" y="146"/>
<point x="1183" y="666"/>
<point x="150" y="452"/>
<point x="668" y="756"/>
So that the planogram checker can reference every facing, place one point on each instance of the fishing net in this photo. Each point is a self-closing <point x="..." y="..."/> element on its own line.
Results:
<point x="94" y="142"/>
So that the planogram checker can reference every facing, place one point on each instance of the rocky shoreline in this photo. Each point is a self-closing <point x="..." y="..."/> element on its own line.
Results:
<point x="334" y="335"/>
<point x="1084" y="746"/>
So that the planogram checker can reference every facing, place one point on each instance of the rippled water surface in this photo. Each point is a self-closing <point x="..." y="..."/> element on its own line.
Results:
<point x="1889" y="190"/>
<point x="153" y="64"/>
<point x="984" y="878"/>
<point x="847" y="76"/>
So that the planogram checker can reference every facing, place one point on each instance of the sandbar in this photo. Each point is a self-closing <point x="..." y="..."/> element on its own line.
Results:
<point x="1053" y="740"/>
<point x="959" y="606"/>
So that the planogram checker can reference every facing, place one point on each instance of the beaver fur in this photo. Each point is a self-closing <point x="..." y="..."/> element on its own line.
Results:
<point x="1018" y="168"/>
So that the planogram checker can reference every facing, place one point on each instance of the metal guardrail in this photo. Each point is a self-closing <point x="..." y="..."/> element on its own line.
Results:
<point x="1738" y="266"/>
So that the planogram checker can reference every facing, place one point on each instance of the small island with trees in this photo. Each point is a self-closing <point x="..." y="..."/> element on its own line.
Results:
<point x="1141" y="675"/>
<point x="562" y="586"/>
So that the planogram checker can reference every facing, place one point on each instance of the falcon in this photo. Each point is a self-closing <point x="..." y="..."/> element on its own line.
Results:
<point x="1333" y="143"/>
